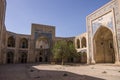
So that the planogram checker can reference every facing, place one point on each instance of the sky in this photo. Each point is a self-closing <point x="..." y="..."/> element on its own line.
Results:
<point x="68" y="16"/>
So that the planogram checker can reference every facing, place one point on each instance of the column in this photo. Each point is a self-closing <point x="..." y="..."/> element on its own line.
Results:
<point x="92" y="54"/>
<point x="116" y="50"/>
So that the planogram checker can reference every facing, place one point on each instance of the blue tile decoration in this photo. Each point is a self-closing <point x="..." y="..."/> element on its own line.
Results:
<point x="105" y="20"/>
<point x="95" y="26"/>
<point x="47" y="35"/>
<point x="110" y="23"/>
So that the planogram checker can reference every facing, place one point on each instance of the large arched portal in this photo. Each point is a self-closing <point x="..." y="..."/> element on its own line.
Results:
<point x="103" y="46"/>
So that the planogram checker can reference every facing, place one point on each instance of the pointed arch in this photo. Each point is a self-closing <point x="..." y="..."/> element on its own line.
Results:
<point x="42" y="43"/>
<point x="10" y="57"/>
<point x="83" y="57"/>
<point x="78" y="43"/>
<point x="11" y="41"/>
<point x="103" y="45"/>
<point x="23" y="57"/>
<point x="83" y="42"/>
<point x="23" y="43"/>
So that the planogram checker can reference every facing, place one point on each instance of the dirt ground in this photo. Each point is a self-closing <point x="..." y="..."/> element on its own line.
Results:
<point x="58" y="72"/>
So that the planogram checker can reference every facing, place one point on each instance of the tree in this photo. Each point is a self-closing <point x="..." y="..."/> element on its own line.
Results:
<point x="63" y="50"/>
<point x="60" y="51"/>
<point x="72" y="50"/>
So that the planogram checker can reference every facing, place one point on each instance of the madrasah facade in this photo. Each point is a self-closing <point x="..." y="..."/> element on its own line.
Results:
<point x="99" y="44"/>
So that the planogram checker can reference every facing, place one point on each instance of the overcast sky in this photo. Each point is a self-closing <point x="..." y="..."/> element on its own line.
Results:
<point x="69" y="16"/>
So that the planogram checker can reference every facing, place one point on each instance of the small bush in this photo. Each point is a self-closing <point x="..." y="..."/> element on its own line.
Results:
<point x="92" y="68"/>
<point x="65" y="74"/>
<point x="104" y="72"/>
<point x="37" y="77"/>
<point x="31" y="70"/>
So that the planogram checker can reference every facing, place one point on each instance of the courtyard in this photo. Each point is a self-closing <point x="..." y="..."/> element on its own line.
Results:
<point x="59" y="72"/>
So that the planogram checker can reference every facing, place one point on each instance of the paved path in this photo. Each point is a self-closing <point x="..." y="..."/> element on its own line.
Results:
<point x="14" y="72"/>
<point x="80" y="72"/>
<point x="58" y="72"/>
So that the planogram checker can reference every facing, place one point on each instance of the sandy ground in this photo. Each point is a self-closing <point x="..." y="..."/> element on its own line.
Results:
<point x="58" y="72"/>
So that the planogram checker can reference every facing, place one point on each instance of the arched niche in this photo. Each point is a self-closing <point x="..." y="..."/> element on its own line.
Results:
<point x="42" y="43"/>
<point x="23" y="57"/>
<point x="11" y="41"/>
<point x="78" y="43"/>
<point x="83" y="57"/>
<point x="10" y="57"/>
<point x="83" y="42"/>
<point x="23" y="43"/>
<point x="103" y="45"/>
